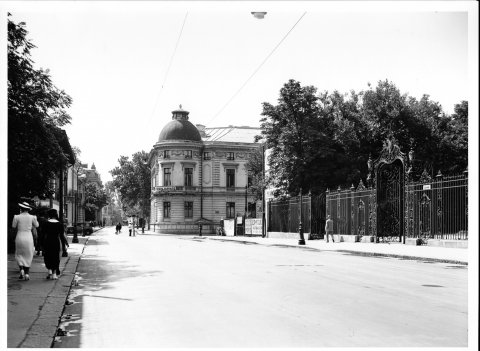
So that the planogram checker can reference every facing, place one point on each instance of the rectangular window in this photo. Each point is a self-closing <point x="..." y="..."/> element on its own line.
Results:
<point x="188" y="176"/>
<point x="166" y="154"/>
<point x="207" y="155"/>
<point x="230" y="178"/>
<point x="230" y="156"/>
<point x="166" y="209"/>
<point x="188" y="154"/>
<point x="167" y="177"/>
<point x="230" y="210"/>
<point x="188" y="209"/>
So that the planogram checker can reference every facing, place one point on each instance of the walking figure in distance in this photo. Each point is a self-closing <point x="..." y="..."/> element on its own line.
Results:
<point x="24" y="240"/>
<point x="329" y="228"/>
<point x="131" y="229"/>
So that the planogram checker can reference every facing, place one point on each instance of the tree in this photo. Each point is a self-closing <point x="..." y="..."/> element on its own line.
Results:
<point x="319" y="142"/>
<point x="37" y="147"/>
<point x="114" y="202"/>
<point x="256" y="173"/>
<point x="95" y="199"/>
<point x="293" y="131"/>
<point x="132" y="181"/>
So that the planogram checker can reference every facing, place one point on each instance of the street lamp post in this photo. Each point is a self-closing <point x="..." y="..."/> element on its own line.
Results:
<point x="133" y="225"/>
<point x="75" y="233"/>
<point x="75" y="237"/>
<point x="301" y="241"/>
<point x="246" y="200"/>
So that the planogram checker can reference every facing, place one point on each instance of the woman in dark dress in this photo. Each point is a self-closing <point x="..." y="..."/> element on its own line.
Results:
<point x="53" y="241"/>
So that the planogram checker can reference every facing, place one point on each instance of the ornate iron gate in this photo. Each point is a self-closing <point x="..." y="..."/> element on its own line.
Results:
<point x="390" y="192"/>
<point x="390" y="184"/>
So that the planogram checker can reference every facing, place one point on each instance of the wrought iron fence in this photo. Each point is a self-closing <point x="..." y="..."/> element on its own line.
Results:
<point x="437" y="208"/>
<point x="284" y="215"/>
<point x="434" y="209"/>
<point x="353" y="211"/>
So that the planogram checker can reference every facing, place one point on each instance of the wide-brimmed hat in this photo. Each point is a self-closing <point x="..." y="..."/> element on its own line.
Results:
<point x="25" y="205"/>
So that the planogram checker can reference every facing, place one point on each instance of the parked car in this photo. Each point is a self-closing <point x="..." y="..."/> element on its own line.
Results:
<point x="87" y="229"/>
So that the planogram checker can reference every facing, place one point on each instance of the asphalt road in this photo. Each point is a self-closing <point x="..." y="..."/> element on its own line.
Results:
<point x="170" y="291"/>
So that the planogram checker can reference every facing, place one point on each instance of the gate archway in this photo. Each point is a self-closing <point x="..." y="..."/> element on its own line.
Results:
<point x="390" y="184"/>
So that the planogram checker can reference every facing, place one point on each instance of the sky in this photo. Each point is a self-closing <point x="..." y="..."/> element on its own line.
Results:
<point x="127" y="65"/>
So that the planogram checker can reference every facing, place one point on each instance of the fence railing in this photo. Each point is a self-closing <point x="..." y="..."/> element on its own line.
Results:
<point x="353" y="211"/>
<point x="284" y="215"/>
<point x="437" y="208"/>
<point x="434" y="209"/>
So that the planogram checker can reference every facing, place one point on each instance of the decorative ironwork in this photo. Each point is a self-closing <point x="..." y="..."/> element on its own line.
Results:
<point x="390" y="200"/>
<point x="390" y="152"/>
<point x="360" y="186"/>
<point x="425" y="217"/>
<point x="437" y="209"/>
<point x="361" y="218"/>
<point x="283" y="215"/>
<point x="373" y="213"/>
<point x="389" y="181"/>
<point x="439" y="205"/>
<point x="348" y="210"/>
<point x="393" y="206"/>
<point x="425" y="177"/>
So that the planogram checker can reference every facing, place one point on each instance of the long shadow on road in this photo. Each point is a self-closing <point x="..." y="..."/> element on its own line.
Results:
<point x="94" y="277"/>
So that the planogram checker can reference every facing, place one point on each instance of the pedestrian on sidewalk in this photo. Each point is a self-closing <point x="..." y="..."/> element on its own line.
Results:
<point x="41" y="218"/>
<point x="329" y="228"/>
<point x="53" y="242"/>
<point x="130" y="228"/>
<point x="24" y="223"/>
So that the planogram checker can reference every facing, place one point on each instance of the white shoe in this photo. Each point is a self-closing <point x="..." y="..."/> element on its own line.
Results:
<point x="22" y="274"/>
<point x="27" y="277"/>
<point x="54" y="276"/>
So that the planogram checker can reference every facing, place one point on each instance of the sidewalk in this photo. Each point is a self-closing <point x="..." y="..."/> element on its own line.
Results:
<point x="35" y="306"/>
<point x="398" y="250"/>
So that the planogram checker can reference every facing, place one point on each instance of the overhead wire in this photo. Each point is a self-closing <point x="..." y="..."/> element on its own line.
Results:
<point x="168" y="69"/>
<point x="222" y="135"/>
<point x="257" y="69"/>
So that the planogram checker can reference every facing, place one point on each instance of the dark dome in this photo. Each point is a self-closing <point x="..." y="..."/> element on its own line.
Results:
<point x="180" y="130"/>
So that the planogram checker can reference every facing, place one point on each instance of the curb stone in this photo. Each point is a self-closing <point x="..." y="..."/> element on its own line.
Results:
<point x="42" y="332"/>
<point x="353" y="252"/>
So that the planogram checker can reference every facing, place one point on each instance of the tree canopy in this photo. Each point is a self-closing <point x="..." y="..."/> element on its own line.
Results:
<point x="95" y="199"/>
<point x="132" y="181"/>
<point x="255" y="171"/>
<point x="320" y="141"/>
<point x="37" y="147"/>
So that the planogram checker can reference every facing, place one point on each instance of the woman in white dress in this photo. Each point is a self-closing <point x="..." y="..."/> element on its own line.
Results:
<point x="24" y="245"/>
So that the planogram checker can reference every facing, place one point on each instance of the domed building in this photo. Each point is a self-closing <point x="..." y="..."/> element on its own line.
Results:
<point x="199" y="175"/>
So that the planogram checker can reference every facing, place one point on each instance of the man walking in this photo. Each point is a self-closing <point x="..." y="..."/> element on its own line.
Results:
<point x="329" y="228"/>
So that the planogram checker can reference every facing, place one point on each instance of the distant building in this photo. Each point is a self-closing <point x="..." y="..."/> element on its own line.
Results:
<point x="92" y="176"/>
<point x="199" y="175"/>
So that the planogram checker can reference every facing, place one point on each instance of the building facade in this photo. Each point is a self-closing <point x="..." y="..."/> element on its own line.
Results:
<point x="199" y="175"/>
<point x="93" y="176"/>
